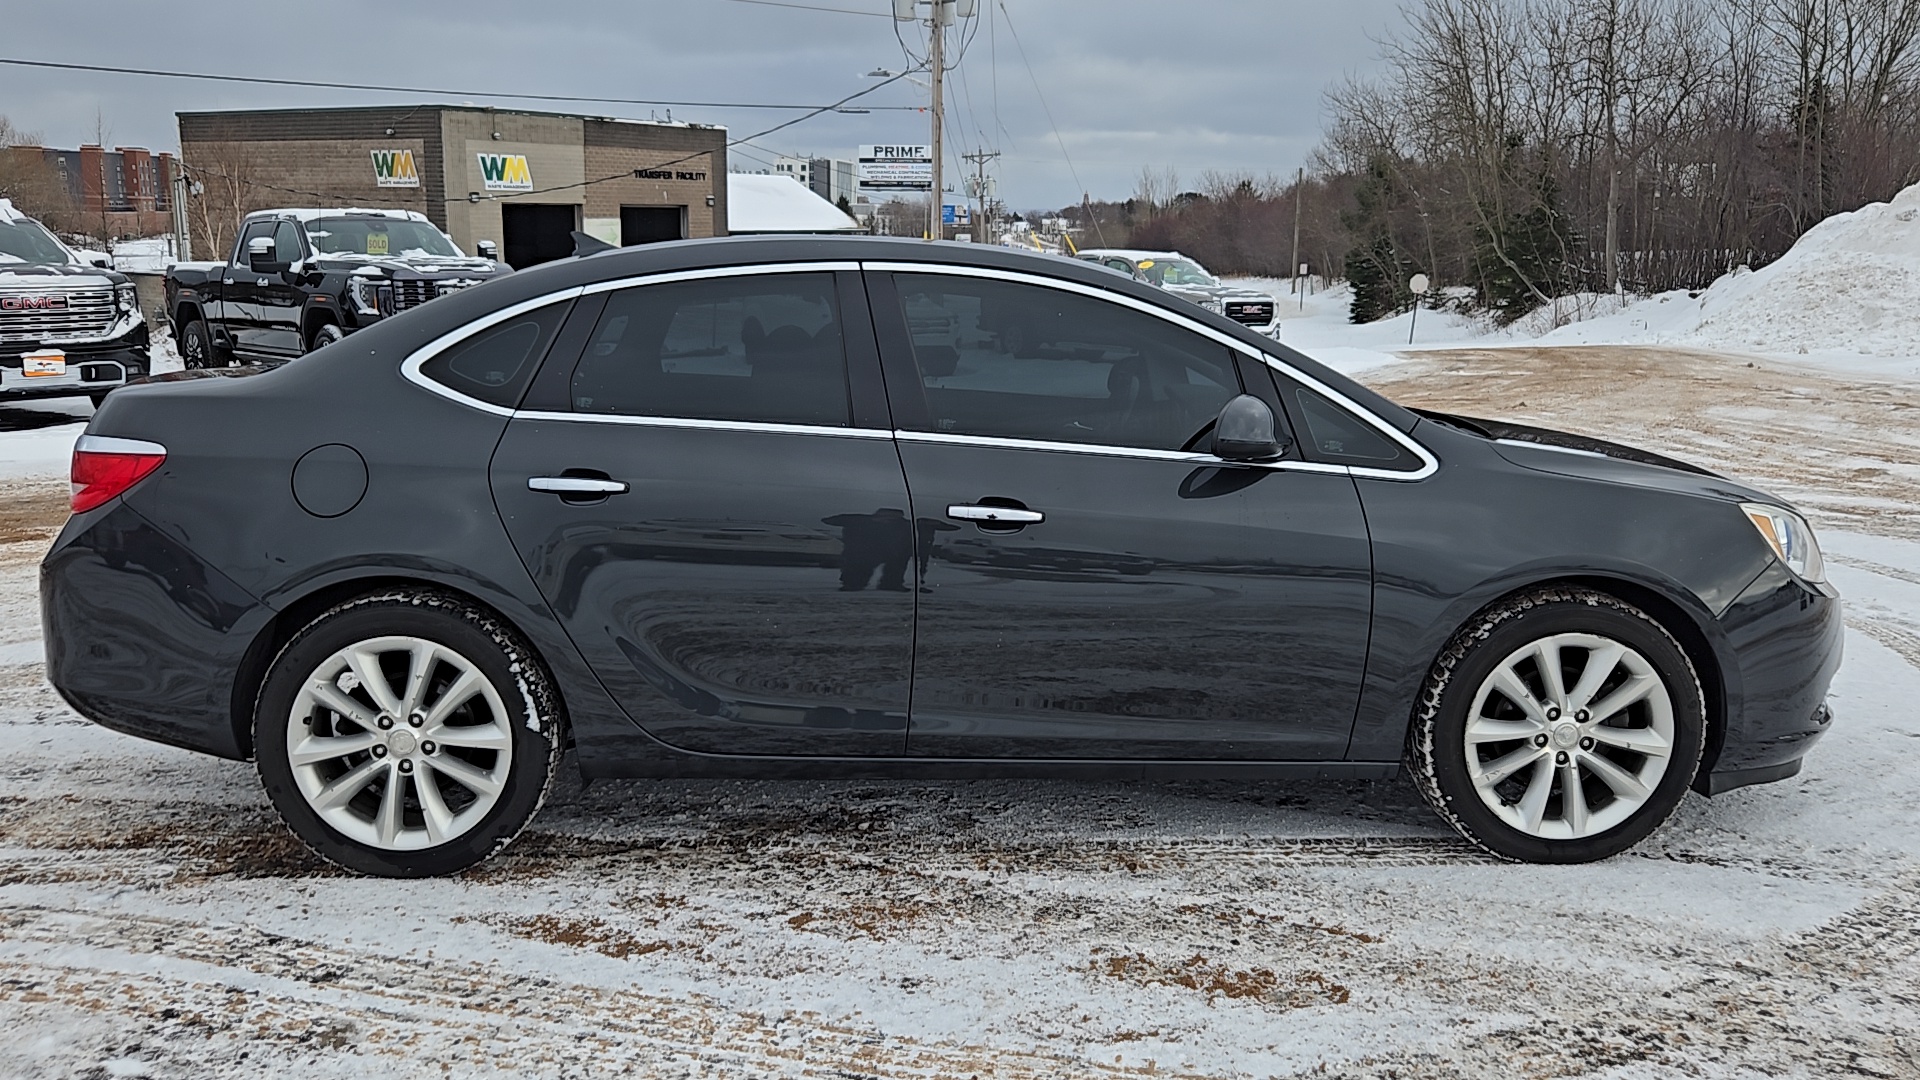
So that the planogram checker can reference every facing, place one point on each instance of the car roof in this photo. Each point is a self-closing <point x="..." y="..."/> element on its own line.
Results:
<point x="1132" y="253"/>
<point x="673" y="256"/>
<point x="310" y="213"/>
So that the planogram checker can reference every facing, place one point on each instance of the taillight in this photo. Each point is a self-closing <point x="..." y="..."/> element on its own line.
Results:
<point x="104" y="468"/>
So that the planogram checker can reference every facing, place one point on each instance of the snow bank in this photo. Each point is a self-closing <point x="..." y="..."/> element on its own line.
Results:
<point x="1846" y="295"/>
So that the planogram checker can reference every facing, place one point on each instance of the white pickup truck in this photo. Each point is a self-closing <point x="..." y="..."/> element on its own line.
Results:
<point x="67" y="327"/>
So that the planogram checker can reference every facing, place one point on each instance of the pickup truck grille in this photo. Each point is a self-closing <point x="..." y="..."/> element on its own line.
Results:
<point x="412" y="292"/>
<point x="1250" y="312"/>
<point x="38" y="316"/>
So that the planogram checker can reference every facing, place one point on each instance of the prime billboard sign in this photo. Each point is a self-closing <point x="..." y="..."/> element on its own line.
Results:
<point x="395" y="168"/>
<point x="895" y="168"/>
<point x="505" y="172"/>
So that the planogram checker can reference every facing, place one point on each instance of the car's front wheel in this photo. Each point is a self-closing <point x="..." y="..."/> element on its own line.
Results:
<point x="407" y="734"/>
<point x="1562" y="725"/>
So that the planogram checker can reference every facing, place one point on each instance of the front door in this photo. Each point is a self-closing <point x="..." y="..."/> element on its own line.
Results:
<point x="725" y="538"/>
<point x="1128" y="598"/>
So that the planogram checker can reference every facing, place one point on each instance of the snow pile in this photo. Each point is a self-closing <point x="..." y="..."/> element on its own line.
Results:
<point x="1848" y="289"/>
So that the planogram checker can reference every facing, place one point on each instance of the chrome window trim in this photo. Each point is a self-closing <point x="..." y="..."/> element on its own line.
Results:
<point x="1104" y="450"/>
<point x="109" y="444"/>
<point x="762" y="427"/>
<point x="410" y="368"/>
<point x="1550" y="447"/>
<point x="667" y="276"/>
<point x="1429" y="464"/>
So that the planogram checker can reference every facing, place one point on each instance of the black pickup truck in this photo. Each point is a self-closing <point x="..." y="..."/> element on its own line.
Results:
<point x="299" y="279"/>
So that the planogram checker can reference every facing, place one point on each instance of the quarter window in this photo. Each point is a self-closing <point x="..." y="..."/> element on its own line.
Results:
<point x="496" y="364"/>
<point x="1010" y="360"/>
<point x="1339" y="436"/>
<point x="765" y="348"/>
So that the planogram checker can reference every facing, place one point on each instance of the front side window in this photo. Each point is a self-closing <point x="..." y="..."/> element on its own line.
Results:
<point x="1175" y="272"/>
<point x="761" y="348"/>
<point x="1020" y="361"/>
<point x="24" y="241"/>
<point x="257" y="228"/>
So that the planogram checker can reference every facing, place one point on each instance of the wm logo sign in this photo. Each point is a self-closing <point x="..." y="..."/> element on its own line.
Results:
<point x="505" y="172"/>
<point x="395" y="168"/>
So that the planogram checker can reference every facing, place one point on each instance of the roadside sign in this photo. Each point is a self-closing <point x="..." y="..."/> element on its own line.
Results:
<point x="899" y="167"/>
<point x="1418" y="284"/>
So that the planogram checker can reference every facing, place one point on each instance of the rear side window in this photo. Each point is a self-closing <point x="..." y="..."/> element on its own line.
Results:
<point x="496" y="364"/>
<point x="760" y="348"/>
<point x="1339" y="436"/>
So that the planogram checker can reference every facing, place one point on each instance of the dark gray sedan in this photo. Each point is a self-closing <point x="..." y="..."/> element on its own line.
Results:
<point x="871" y="508"/>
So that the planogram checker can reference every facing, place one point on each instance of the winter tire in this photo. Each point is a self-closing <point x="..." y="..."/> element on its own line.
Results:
<point x="407" y="734"/>
<point x="327" y="334"/>
<point x="1559" y="726"/>
<point x="196" y="345"/>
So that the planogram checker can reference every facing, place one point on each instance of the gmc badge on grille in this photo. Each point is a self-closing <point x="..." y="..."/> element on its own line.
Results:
<point x="33" y="303"/>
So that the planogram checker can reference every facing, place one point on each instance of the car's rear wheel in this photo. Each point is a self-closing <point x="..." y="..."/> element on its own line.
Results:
<point x="1563" y="725"/>
<point x="407" y="734"/>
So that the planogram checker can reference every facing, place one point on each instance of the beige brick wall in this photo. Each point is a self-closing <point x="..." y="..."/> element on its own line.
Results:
<point x="552" y="144"/>
<point x="693" y="180"/>
<point x="240" y="177"/>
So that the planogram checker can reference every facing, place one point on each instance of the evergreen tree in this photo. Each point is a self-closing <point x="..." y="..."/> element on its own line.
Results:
<point x="1374" y="267"/>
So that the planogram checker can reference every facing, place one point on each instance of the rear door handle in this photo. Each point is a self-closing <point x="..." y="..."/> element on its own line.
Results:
<point x="576" y="485"/>
<point x="999" y="515"/>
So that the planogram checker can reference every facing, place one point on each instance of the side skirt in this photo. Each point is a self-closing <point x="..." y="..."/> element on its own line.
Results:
<point x="773" y="768"/>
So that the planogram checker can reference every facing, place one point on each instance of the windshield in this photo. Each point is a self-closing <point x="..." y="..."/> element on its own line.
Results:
<point x="23" y="241"/>
<point x="378" y="236"/>
<point x="1175" y="272"/>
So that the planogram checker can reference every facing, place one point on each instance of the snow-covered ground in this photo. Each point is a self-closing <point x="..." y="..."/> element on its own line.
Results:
<point x="156" y="920"/>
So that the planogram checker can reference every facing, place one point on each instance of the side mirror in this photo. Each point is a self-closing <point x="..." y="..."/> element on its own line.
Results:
<point x="101" y="261"/>
<point x="262" y="257"/>
<point x="1245" y="431"/>
<point x="488" y="250"/>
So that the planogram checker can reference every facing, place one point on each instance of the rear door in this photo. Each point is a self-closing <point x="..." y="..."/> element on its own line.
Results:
<point x="707" y="493"/>
<point x="1089" y="586"/>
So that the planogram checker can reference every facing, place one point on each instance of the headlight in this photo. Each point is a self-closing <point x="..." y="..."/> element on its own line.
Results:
<point x="365" y="292"/>
<point x="1790" y="537"/>
<point x="125" y="297"/>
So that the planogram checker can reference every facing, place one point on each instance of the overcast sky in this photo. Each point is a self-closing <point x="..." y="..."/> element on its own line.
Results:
<point x="1192" y="84"/>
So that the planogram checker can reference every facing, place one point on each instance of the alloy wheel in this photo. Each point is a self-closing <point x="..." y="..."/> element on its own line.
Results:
<point x="1569" y="735"/>
<point x="399" y="743"/>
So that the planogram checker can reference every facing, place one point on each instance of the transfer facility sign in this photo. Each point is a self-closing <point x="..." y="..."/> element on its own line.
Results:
<point x="395" y="168"/>
<point x="896" y="168"/>
<point x="505" y="172"/>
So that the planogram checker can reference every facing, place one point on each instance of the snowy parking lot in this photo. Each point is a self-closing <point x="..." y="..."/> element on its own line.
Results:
<point x="157" y="920"/>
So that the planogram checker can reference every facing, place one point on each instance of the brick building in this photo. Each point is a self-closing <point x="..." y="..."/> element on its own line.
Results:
<point x="523" y="180"/>
<point x="109" y="194"/>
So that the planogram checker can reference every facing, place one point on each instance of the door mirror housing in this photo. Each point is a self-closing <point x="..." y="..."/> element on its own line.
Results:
<point x="1246" y="431"/>
<point x="488" y="250"/>
<point x="262" y="256"/>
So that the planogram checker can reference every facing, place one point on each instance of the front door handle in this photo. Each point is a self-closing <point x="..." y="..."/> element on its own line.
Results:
<point x="576" y="485"/>
<point x="997" y="515"/>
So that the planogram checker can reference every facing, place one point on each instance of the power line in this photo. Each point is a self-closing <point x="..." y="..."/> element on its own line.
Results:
<point x="810" y="7"/>
<point x="1075" y="173"/>
<point x="315" y="83"/>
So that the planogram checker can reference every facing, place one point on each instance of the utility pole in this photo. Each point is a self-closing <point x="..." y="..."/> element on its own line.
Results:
<point x="1299" y="182"/>
<point x="937" y="59"/>
<point x="980" y="159"/>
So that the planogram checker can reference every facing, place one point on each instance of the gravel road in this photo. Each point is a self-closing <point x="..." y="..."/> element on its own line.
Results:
<point x="156" y="920"/>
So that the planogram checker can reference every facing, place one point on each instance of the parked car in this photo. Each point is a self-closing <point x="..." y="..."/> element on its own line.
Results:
<point x="748" y="508"/>
<point x="1183" y="277"/>
<point x="300" y="279"/>
<point x="68" y="327"/>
